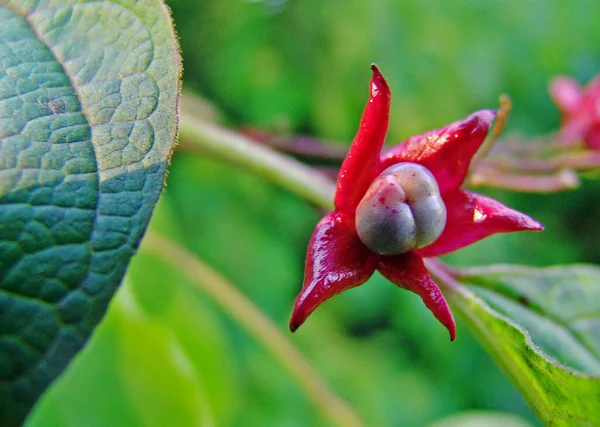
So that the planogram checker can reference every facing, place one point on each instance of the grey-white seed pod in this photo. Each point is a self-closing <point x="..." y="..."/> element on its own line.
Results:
<point x="402" y="210"/>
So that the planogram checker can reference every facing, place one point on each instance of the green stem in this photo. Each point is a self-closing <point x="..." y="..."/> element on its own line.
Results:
<point x="243" y="152"/>
<point x="251" y="318"/>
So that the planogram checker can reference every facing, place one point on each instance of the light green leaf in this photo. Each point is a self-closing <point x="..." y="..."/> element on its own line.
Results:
<point x="542" y="325"/>
<point x="88" y="102"/>
<point x="481" y="419"/>
<point x="138" y="371"/>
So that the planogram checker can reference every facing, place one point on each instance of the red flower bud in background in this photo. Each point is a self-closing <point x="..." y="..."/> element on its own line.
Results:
<point x="580" y="109"/>
<point x="395" y="209"/>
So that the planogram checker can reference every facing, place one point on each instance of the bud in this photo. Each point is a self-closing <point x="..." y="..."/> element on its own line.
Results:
<point x="402" y="210"/>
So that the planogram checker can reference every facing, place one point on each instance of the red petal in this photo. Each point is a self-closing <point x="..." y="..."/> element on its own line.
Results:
<point x="566" y="93"/>
<point x="591" y="97"/>
<point x="336" y="261"/>
<point x="409" y="272"/>
<point x="580" y="115"/>
<point x="361" y="164"/>
<point x="592" y="137"/>
<point x="471" y="217"/>
<point x="446" y="152"/>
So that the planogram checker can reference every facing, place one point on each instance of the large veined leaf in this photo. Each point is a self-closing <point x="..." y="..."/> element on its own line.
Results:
<point x="542" y="325"/>
<point x="88" y="103"/>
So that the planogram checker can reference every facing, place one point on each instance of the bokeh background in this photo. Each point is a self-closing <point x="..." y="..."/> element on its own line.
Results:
<point x="166" y="355"/>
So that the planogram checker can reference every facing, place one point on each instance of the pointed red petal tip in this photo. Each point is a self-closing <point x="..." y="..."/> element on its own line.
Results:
<point x="454" y="144"/>
<point x="302" y="309"/>
<point x="315" y="292"/>
<point x="442" y="313"/>
<point x="408" y="272"/>
<point x="472" y="217"/>
<point x="527" y="223"/>
<point x="311" y="297"/>
<point x="477" y="124"/>
<point x="361" y="164"/>
<point x="336" y="260"/>
<point x="378" y="83"/>
<point x="452" y="330"/>
<point x="485" y="117"/>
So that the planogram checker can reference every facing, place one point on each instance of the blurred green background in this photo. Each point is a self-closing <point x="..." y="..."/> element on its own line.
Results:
<point x="166" y="355"/>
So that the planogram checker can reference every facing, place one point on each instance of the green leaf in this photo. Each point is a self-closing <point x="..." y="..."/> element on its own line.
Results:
<point x="481" y="419"/>
<point x="542" y="325"/>
<point x="145" y="370"/>
<point x="88" y="102"/>
<point x="160" y="356"/>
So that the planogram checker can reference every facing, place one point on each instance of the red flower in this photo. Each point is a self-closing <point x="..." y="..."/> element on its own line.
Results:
<point x="337" y="258"/>
<point x="580" y="108"/>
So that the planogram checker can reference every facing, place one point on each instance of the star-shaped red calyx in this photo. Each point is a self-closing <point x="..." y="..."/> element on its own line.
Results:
<point x="338" y="260"/>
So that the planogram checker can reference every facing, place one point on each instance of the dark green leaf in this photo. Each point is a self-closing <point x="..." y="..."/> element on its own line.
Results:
<point x="88" y="100"/>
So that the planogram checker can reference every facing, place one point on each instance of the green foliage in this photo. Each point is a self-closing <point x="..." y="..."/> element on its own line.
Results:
<point x="542" y="326"/>
<point x="88" y="96"/>
<point x="147" y="366"/>
<point x="481" y="419"/>
<point x="304" y="67"/>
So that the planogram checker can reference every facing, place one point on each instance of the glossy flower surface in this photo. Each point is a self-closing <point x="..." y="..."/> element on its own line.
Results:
<point x="580" y="109"/>
<point x="338" y="260"/>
